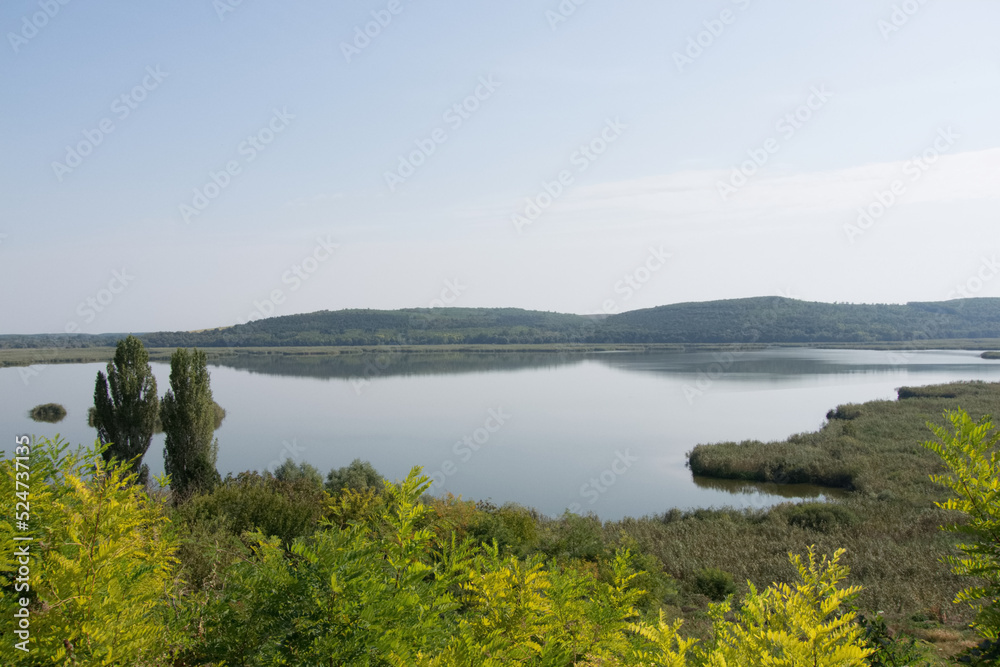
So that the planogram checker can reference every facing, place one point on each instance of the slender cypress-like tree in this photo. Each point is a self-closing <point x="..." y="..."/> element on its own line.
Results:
<point x="188" y="417"/>
<point x="126" y="405"/>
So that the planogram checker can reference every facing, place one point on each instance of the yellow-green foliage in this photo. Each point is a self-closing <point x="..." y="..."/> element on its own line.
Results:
<point x="793" y="626"/>
<point x="379" y="584"/>
<point x="101" y="564"/>
<point x="803" y="625"/>
<point x="526" y="614"/>
<point x="973" y="462"/>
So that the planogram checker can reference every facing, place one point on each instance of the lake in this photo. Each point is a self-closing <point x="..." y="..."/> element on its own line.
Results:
<point x="600" y="432"/>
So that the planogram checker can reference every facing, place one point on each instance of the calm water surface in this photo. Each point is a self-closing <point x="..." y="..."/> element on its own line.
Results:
<point x="603" y="432"/>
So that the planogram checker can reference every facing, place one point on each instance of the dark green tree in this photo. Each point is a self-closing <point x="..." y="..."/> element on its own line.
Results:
<point x="291" y="472"/>
<point x="188" y="417"/>
<point x="359" y="475"/>
<point x="126" y="405"/>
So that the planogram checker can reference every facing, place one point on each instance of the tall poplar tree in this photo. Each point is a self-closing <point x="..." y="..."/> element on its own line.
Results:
<point x="188" y="417"/>
<point x="126" y="405"/>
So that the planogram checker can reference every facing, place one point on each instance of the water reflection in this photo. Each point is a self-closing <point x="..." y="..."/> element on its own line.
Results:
<point x="793" y="363"/>
<point x="573" y="417"/>
<point x="733" y="365"/>
<point x="792" y="491"/>
<point x="371" y="365"/>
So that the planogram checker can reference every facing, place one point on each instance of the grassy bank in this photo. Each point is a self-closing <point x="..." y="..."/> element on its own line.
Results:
<point x="888" y="522"/>
<point x="872" y="448"/>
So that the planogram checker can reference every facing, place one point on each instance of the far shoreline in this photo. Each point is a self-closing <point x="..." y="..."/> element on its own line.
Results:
<point x="14" y="357"/>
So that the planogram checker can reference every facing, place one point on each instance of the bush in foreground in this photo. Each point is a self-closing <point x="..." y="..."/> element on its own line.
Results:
<point x="101" y="563"/>
<point x="973" y="476"/>
<point x="381" y="586"/>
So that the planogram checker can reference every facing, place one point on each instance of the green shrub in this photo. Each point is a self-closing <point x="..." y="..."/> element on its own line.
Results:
<point x="251" y="501"/>
<point x="207" y="548"/>
<point x="291" y="472"/>
<point x="659" y="588"/>
<point x="512" y="527"/>
<point x="889" y="649"/>
<point x="359" y="476"/>
<point x="714" y="584"/>
<point x="575" y="537"/>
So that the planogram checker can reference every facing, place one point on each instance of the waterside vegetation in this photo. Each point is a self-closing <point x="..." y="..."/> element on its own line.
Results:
<point x="50" y="413"/>
<point x="362" y="571"/>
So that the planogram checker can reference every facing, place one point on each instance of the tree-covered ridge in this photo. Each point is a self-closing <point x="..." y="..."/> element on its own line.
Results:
<point x="754" y="320"/>
<point x="783" y="320"/>
<point x="415" y="326"/>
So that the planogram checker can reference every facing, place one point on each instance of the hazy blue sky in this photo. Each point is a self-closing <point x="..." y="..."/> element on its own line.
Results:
<point x="120" y="120"/>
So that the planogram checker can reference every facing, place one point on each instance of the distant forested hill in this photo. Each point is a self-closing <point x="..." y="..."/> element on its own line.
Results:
<point x="781" y="320"/>
<point x="413" y="326"/>
<point x="754" y="320"/>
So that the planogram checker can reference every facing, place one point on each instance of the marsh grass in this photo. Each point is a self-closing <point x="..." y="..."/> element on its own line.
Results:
<point x="873" y="448"/>
<point x="888" y="522"/>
